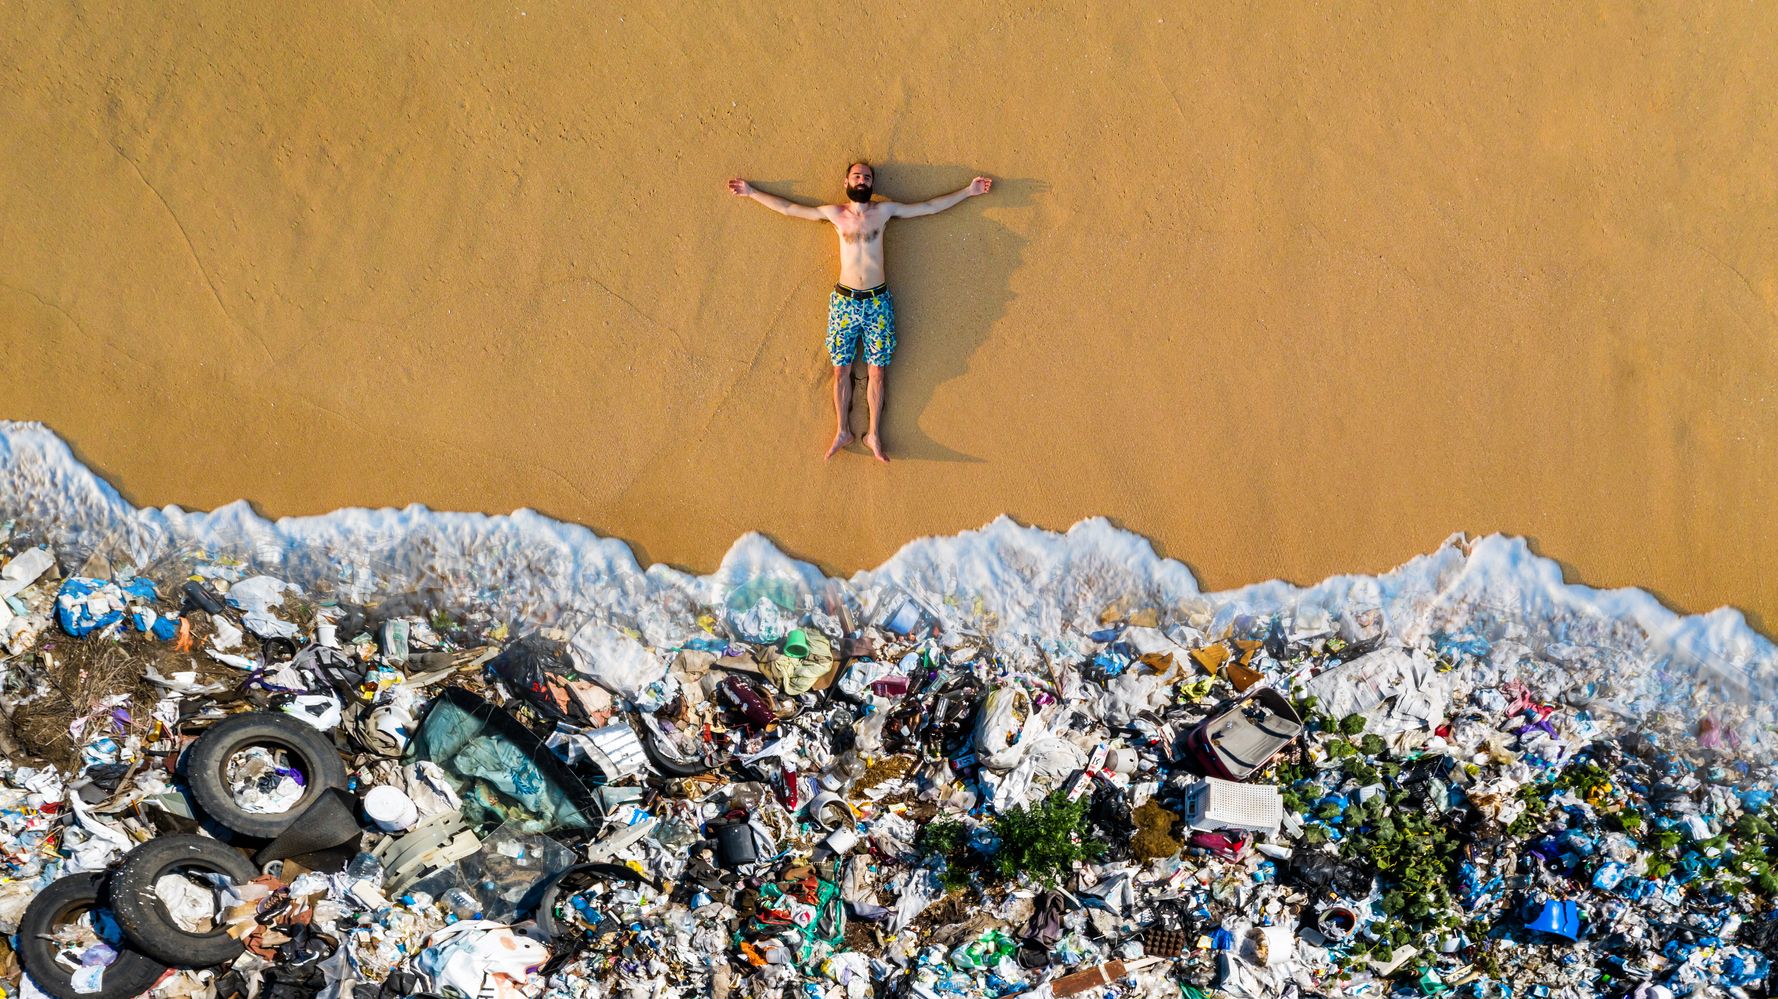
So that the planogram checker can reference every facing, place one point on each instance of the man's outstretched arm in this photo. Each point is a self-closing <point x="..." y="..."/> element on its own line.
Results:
<point x="745" y="190"/>
<point x="980" y="185"/>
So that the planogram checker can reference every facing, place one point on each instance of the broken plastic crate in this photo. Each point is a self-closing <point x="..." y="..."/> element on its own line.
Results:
<point x="1214" y="803"/>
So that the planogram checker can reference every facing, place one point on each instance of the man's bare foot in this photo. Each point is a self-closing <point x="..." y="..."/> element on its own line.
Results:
<point x="876" y="447"/>
<point x="845" y="437"/>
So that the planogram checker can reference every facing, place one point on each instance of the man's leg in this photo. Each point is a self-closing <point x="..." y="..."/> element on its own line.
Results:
<point x="874" y="393"/>
<point x="842" y="402"/>
<point x="842" y="350"/>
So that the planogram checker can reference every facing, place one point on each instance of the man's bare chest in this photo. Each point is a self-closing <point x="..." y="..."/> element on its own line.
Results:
<point x="866" y="228"/>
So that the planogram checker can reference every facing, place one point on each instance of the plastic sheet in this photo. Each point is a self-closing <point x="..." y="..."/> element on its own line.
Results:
<point x="500" y="772"/>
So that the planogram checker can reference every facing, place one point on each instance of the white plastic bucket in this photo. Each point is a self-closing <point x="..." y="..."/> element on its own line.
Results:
<point x="390" y="809"/>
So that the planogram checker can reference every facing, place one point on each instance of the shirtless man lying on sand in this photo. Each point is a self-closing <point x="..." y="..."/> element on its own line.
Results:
<point x="860" y="307"/>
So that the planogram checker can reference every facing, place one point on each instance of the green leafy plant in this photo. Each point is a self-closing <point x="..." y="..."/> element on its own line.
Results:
<point x="1044" y="840"/>
<point x="1352" y="724"/>
<point x="943" y="838"/>
<point x="1531" y="819"/>
<point x="1361" y="771"/>
<point x="1751" y="846"/>
<point x="949" y="839"/>
<point x="1314" y="719"/>
<point x="1584" y="779"/>
<point x="1289" y="770"/>
<point x="1413" y="852"/>
<point x="1754" y="826"/>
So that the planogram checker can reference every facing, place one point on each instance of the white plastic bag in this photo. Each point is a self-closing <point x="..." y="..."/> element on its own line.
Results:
<point x="24" y="569"/>
<point x="616" y="661"/>
<point x="479" y="957"/>
<point x="1006" y="728"/>
<point x="255" y="597"/>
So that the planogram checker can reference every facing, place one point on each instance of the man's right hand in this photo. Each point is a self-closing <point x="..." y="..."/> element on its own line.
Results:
<point x="739" y="187"/>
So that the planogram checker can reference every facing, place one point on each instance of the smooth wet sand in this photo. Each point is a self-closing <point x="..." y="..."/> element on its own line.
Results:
<point x="1293" y="291"/>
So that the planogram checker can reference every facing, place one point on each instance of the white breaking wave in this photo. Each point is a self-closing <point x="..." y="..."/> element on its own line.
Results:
<point x="1027" y="592"/>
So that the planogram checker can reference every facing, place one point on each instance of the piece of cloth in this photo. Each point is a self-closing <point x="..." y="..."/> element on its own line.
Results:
<point x="192" y="908"/>
<point x="870" y="320"/>
<point x="797" y="675"/>
<point x="263" y="781"/>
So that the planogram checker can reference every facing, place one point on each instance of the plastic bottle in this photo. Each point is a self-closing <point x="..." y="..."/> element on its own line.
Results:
<point x="845" y="768"/>
<point x="365" y="867"/>
<point x="395" y="636"/>
<point x="461" y="904"/>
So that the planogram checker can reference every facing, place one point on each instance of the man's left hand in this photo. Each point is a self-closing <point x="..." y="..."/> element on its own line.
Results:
<point x="980" y="185"/>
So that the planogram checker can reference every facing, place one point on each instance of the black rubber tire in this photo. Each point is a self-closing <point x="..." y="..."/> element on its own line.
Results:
<point x="142" y="915"/>
<point x="273" y="651"/>
<point x="206" y="764"/>
<point x="546" y="918"/>
<point x="662" y="760"/>
<point x="132" y="974"/>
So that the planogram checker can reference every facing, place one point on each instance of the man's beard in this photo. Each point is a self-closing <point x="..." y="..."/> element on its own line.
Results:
<point x="860" y="194"/>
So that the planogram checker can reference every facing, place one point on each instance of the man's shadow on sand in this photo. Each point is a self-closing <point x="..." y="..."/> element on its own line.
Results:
<point x="952" y="282"/>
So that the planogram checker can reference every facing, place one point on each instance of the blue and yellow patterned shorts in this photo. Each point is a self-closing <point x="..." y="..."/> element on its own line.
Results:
<point x="860" y="315"/>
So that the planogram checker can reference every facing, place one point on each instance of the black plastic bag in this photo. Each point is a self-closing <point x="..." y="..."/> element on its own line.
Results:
<point x="1110" y="819"/>
<point x="542" y="672"/>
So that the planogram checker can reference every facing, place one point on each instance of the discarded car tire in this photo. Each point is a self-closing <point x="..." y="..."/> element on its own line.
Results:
<point x="207" y="768"/>
<point x="666" y="761"/>
<point x="144" y="917"/>
<point x="132" y="974"/>
<point x="564" y="884"/>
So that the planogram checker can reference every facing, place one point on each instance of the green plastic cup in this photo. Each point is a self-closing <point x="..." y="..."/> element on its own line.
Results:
<point x="796" y="644"/>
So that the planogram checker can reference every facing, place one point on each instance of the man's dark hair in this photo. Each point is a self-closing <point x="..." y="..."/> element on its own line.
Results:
<point x="862" y="163"/>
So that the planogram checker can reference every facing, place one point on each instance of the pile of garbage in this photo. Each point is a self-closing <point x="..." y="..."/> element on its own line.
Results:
<point x="220" y="784"/>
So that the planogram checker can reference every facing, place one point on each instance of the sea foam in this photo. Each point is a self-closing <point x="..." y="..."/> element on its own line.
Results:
<point x="1026" y="591"/>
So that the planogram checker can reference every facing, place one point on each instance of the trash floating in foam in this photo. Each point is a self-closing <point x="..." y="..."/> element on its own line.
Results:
<point x="1017" y="587"/>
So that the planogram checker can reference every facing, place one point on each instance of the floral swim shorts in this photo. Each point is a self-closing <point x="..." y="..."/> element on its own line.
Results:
<point x="854" y="315"/>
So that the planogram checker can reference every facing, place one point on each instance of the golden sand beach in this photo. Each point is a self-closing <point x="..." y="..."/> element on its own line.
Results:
<point x="1291" y="289"/>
